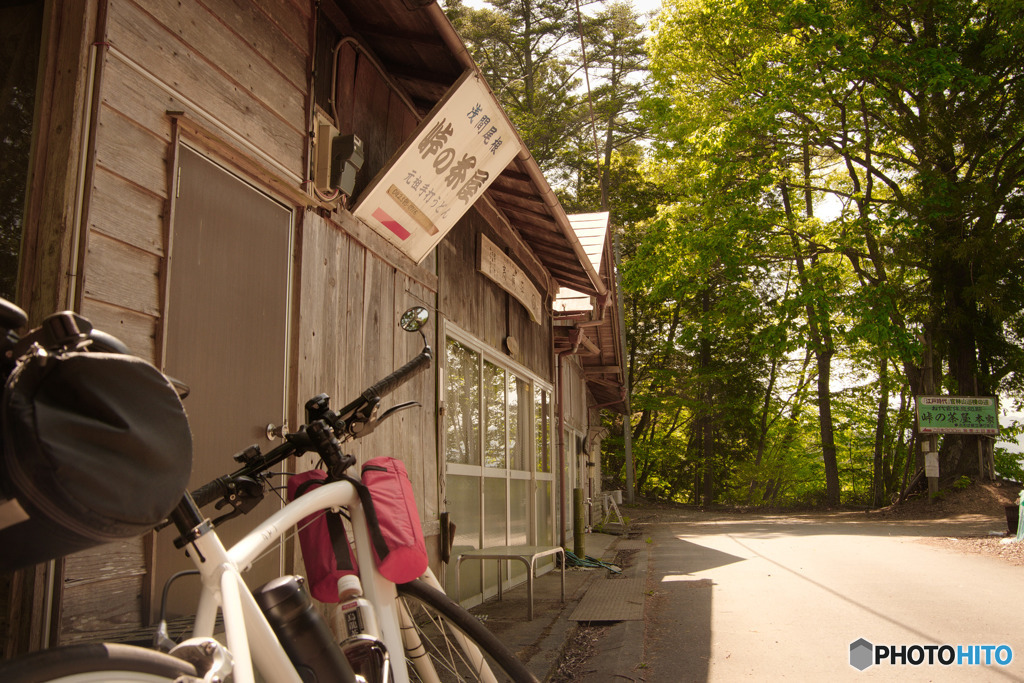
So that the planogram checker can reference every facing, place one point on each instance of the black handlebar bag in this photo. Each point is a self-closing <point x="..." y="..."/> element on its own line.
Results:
<point x="96" y="448"/>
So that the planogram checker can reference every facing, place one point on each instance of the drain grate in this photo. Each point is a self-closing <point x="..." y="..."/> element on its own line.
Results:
<point x="612" y="600"/>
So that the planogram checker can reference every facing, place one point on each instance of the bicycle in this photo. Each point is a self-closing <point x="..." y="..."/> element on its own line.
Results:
<point x="439" y="639"/>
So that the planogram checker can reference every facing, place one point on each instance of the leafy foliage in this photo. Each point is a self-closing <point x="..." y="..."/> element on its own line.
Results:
<point x="818" y="206"/>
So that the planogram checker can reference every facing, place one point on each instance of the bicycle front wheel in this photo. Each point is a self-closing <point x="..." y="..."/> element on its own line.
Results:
<point x="446" y="643"/>
<point x="95" y="663"/>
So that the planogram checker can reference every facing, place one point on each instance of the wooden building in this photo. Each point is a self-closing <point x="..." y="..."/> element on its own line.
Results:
<point x="171" y="197"/>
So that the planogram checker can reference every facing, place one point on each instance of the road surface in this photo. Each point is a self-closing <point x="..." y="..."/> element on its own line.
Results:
<point x="772" y="598"/>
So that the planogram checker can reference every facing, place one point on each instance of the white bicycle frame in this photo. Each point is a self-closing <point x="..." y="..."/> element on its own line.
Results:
<point x="249" y="636"/>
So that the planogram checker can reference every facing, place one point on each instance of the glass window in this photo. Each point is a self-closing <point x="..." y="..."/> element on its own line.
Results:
<point x="542" y="417"/>
<point x="494" y="404"/>
<point x="518" y="423"/>
<point x="462" y="405"/>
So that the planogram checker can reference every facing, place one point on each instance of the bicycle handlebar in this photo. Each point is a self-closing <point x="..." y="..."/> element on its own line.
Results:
<point x="386" y="385"/>
<point x="341" y="424"/>
<point x="211" y="491"/>
<point x="401" y="375"/>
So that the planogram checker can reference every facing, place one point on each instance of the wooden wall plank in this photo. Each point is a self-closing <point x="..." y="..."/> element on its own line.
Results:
<point x="378" y="327"/>
<point x="534" y="340"/>
<point x="126" y="212"/>
<point x="367" y="123"/>
<point x="352" y="349"/>
<point x="136" y="34"/>
<point x="287" y="54"/>
<point x="130" y="151"/>
<point x="291" y="17"/>
<point x="345" y="87"/>
<point x="102" y="563"/>
<point x="415" y="429"/>
<point x="91" y="608"/>
<point x="205" y="33"/>
<point x="322" y="320"/>
<point x="138" y="98"/>
<point x="136" y="330"/>
<point x="122" y="274"/>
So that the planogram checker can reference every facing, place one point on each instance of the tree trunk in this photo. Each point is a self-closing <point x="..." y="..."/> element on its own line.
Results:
<point x="880" y="428"/>
<point x="705" y="419"/>
<point x="828" y="443"/>
<point x="821" y="344"/>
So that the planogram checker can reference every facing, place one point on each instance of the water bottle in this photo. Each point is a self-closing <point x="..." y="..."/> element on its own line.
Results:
<point x="303" y="632"/>
<point x="354" y="614"/>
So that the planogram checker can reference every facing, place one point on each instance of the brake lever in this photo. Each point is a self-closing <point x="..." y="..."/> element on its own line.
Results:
<point x="396" y="408"/>
<point x="368" y="426"/>
<point x="225" y="517"/>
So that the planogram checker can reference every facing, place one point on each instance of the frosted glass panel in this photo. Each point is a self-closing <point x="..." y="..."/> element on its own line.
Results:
<point x="462" y="405"/>
<point x="519" y="512"/>
<point x="545" y="529"/>
<point x="495" y="505"/>
<point x="463" y="497"/>
<point x="519" y="522"/>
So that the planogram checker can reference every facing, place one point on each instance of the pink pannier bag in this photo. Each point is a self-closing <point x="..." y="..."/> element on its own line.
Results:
<point x="325" y="548"/>
<point x="399" y="548"/>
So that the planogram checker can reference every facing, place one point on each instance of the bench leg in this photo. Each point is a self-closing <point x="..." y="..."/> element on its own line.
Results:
<point x="529" y="587"/>
<point x="458" y="581"/>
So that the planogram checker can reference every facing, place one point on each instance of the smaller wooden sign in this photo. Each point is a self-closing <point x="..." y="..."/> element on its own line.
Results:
<point x="498" y="266"/>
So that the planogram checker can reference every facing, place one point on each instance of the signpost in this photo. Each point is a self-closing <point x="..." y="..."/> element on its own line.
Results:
<point x="978" y="415"/>
<point x="958" y="415"/>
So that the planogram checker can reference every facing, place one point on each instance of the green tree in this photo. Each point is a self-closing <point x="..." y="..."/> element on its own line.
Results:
<point x="524" y="49"/>
<point x="919" y="105"/>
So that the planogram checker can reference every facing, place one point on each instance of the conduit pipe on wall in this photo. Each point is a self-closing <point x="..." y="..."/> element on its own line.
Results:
<point x="575" y="337"/>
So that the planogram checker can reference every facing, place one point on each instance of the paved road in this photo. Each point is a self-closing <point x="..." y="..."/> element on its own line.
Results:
<point x="783" y="598"/>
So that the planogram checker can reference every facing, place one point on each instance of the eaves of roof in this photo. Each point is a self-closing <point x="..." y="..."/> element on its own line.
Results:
<point x="419" y="48"/>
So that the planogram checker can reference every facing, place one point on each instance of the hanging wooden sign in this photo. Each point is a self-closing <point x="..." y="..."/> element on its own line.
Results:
<point x="455" y="154"/>
<point x="498" y="266"/>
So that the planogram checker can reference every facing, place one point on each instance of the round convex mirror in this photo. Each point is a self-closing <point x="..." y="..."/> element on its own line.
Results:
<point x="413" y="319"/>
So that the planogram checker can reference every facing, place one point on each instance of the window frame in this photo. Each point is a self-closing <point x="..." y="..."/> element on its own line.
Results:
<point x="513" y="369"/>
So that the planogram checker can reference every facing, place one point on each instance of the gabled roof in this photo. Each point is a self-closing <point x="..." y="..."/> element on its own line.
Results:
<point x="592" y="231"/>
<point x="593" y="330"/>
<point x="424" y="56"/>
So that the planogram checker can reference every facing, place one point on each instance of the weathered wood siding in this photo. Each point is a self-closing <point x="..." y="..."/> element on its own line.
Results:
<point x="233" y="78"/>
<point x="479" y="306"/>
<point x="349" y="337"/>
<point x="235" y="68"/>
<point x="574" y="394"/>
<point x="238" y="69"/>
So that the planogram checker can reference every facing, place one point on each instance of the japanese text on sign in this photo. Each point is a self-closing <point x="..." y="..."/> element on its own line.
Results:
<point x="445" y="167"/>
<point x="500" y="268"/>
<point x="958" y="415"/>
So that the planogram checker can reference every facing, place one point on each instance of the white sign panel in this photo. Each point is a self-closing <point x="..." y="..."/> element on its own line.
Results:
<point x="931" y="464"/>
<point x="498" y="266"/>
<point x="456" y="153"/>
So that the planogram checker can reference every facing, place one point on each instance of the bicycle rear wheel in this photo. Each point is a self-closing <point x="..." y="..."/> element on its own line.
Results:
<point x="95" y="663"/>
<point x="455" y="645"/>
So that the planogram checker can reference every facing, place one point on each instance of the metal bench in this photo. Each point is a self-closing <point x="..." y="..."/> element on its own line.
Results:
<point x="527" y="554"/>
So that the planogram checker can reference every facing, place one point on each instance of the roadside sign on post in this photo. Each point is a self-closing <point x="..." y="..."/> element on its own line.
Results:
<point x="958" y="415"/>
<point x="931" y="464"/>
